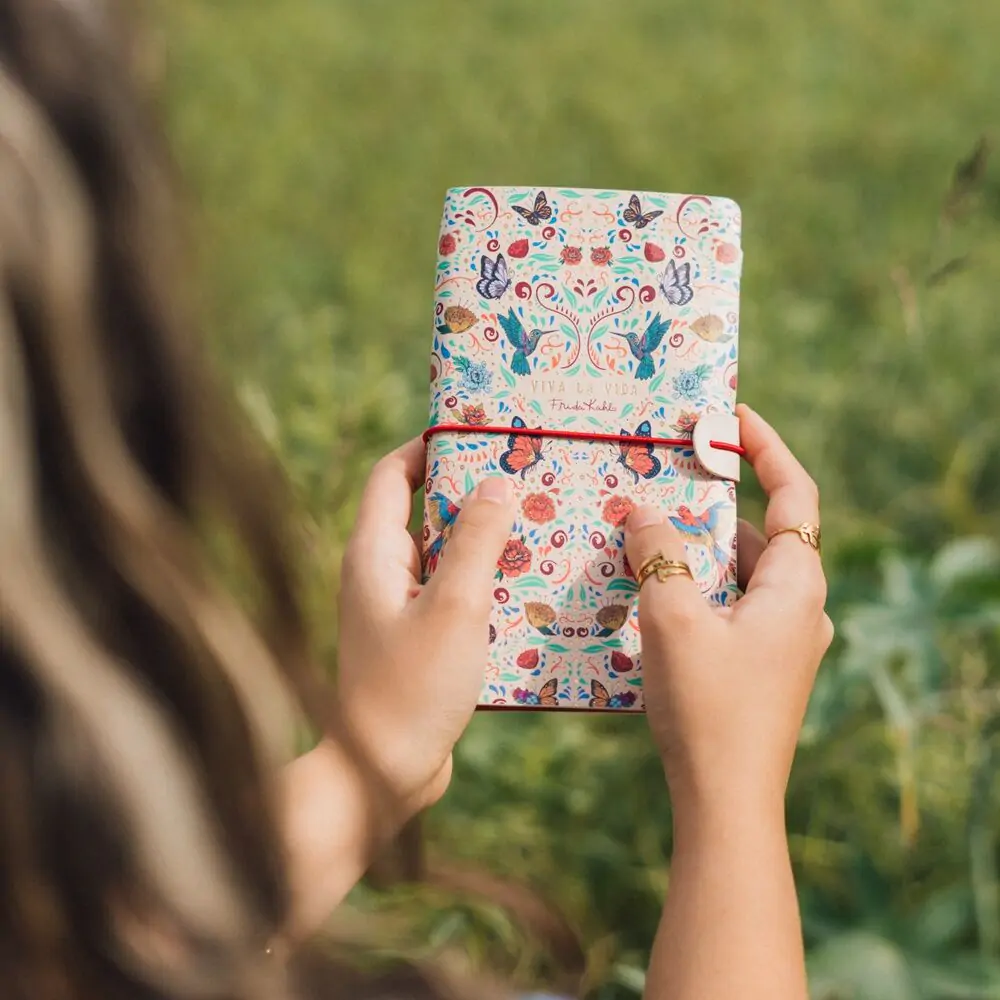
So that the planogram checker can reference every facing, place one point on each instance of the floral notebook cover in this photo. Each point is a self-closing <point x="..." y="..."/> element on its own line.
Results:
<point x="613" y="312"/>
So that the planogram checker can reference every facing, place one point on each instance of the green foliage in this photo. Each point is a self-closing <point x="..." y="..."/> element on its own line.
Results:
<point x="317" y="138"/>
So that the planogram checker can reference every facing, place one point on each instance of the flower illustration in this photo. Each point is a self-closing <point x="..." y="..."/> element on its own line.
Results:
<point x="540" y="616"/>
<point x="624" y="699"/>
<point x="476" y="376"/>
<point x="459" y="319"/>
<point x="687" y="384"/>
<point x="538" y="508"/>
<point x="727" y="253"/>
<point x="571" y="255"/>
<point x="515" y="560"/>
<point x="528" y="660"/>
<point x="611" y="618"/>
<point x="684" y="424"/>
<point x="620" y="663"/>
<point x="447" y="245"/>
<point x="617" y="509"/>
<point x="474" y="415"/>
<point x="601" y="256"/>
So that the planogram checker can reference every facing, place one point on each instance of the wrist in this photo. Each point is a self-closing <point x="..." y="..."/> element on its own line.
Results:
<point x="716" y="807"/>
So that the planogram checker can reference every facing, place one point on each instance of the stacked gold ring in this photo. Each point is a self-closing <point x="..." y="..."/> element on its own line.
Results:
<point x="659" y="566"/>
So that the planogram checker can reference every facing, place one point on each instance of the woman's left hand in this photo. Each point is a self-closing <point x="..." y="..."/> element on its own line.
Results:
<point x="412" y="656"/>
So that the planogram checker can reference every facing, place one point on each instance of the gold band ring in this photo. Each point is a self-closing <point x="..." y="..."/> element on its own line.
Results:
<point x="658" y="565"/>
<point x="808" y="533"/>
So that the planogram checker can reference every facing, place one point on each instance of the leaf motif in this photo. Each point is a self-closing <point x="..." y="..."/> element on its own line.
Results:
<point x="469" y="482"/>
<point x="508" y="377"/>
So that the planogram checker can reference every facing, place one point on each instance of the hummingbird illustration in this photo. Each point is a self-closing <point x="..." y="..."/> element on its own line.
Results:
<point x="523" y="342"/>
<point x="442" y="514"/>
<point x="700" y="529"/>
<point x="643" y="348"/>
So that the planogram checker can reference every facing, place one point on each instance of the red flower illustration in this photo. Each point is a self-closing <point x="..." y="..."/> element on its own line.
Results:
<point x="726" y="253"/>
<point x="519" y="248"/>
<point x="601" y="255"/>
<point x="447" y="245"/>
<point x="653" y="252"/>
<point x="528" y="660"/>
<point x="620" y="663"/>
<point x="538" y="507"/>
<point x="516" y="558"/>
<point x="617" y="509"/>
<point x="474" y="416"/>
<point x="571" y="255"/>
<point x="684" y="424"/>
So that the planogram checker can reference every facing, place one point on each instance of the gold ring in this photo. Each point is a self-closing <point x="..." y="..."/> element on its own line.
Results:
<point x="809" y="533"/>
<point x="663" y="568"/>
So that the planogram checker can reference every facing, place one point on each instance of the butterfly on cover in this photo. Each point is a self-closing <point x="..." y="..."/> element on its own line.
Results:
<point x="493" y="280"/>
<point x="675" y="283"/>
<point x="546" y="695"/>
<point x="634" y="215"/>
<point x="537" y="215"/>
<point x="441" y="512"/>
<point x="637" y="456"/>
<point x="601" y="697"/>
<point x="523" y="452"/>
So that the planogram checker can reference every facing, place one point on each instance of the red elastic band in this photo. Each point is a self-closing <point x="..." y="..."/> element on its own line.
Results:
<point x="545" y="432"/>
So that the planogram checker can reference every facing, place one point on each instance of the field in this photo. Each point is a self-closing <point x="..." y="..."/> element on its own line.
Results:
<point x="317" y="138"/>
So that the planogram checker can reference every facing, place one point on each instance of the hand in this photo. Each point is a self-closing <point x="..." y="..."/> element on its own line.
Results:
<point x="726" y="690"/>
<point x="412" y="657"/>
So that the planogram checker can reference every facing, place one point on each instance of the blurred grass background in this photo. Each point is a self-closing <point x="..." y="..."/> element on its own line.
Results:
<point x="317" y="138"/>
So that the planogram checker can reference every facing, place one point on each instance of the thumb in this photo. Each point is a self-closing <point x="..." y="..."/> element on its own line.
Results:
<point x="675" y="599"/>
<point x="469" y="560"/>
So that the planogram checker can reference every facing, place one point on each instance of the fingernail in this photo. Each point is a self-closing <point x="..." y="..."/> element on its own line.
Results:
<point x="643" y="517"/>
<point x="495" y="489"/>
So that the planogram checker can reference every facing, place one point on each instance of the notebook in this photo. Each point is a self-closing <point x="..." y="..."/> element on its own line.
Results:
<point x="602" y="318"/>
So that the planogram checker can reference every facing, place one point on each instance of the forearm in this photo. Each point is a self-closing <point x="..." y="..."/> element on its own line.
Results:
<point x="333" y="830"/>
<point x="730" y="926"/>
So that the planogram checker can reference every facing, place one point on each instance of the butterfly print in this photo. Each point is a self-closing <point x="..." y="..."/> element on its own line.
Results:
<point x="538" y="214"/>
<point x="635" y="216"/>
<point x="546" y="695"/>
<point x="523" y="452"/>
<point x="638" y="457"/>
<point x="494" y="279"/>
<point x="675" y="283"/>
<point x="601" y="697"/>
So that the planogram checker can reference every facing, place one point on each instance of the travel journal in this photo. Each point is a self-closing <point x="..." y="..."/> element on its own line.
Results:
<point x="606" y="324"/>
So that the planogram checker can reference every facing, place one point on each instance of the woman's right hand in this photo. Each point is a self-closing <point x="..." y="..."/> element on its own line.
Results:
<point x="726" y="691"/>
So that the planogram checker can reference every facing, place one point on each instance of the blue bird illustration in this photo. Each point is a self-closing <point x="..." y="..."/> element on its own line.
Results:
<point x="442" y="514"/>
<point x="643" y="348"/>
<point x="700" y="529"/>
<point x="523" y="342"/>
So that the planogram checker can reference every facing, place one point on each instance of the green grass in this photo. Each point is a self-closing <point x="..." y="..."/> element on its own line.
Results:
<point x="317" y="139"/>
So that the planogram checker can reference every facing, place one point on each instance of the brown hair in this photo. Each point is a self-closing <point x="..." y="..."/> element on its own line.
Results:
<point x="142" y="716"/>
